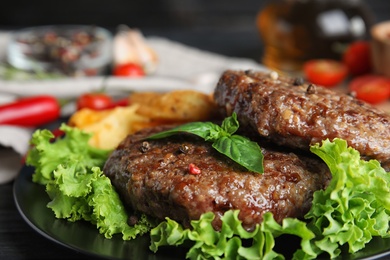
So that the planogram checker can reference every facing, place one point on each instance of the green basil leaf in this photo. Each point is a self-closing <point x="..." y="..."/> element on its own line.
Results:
<point x="201" y="129"/>
<point x="230" y="124"/>
<point x="241" y="150"/>
<point x="236" y="147"/>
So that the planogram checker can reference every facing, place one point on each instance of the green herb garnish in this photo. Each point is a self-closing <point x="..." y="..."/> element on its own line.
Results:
<point x="238" y="148"/>
<point x="8" y="72"/>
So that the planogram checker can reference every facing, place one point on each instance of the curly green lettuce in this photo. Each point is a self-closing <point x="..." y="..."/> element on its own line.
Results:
<point x="351" y="210"/>
<point x="72" y="149"/>
<point x="71" y="171"/>
<point x="228" y="243"/>
<point x="355" y="206"/>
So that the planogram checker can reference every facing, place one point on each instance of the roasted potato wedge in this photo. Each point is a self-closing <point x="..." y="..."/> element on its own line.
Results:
<point x="174" y="106"/>
<point x="108" y="127"/>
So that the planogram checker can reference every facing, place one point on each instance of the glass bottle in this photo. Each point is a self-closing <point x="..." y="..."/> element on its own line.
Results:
<point x="294" y="31"/>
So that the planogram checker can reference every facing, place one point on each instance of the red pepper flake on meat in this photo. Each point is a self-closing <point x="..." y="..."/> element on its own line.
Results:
<point x="193" y="169"/>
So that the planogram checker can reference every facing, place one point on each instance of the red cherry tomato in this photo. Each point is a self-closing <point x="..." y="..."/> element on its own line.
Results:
<point x="373" y="89"/>
<point x="325" y="72"/>
<point x="128" y="70"/>
<point x="357" y="58"/>
<point x="120" y="102"/>
<point x="95" y="101"/>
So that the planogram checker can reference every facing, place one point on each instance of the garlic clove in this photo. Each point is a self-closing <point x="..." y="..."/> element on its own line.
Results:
<point x="129" y="46"/>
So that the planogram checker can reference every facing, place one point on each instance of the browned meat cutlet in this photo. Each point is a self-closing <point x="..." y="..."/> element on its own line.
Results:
<point x="153" y="177"/>
<point x="294" y="114"/>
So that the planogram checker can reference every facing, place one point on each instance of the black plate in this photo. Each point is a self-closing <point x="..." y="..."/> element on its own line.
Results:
<point x="31" y="200"/>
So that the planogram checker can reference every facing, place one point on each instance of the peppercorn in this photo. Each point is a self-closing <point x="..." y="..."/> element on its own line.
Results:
<point x="311" y="89"/>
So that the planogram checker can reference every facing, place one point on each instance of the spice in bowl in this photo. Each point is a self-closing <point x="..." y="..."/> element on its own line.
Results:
<point x="71" y="50"/>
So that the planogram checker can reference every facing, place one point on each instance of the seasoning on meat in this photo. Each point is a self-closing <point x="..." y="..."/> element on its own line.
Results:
<point x="193" y="169"/>
<point x="157" y="182"/>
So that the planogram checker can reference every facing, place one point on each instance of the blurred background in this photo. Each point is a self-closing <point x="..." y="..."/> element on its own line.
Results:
<point x="204" y="23"/>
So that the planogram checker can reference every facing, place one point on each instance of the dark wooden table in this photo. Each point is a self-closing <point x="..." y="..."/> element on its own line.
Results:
<point x="19" y="241"/>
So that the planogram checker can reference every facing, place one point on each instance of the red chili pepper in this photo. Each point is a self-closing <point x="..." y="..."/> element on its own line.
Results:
<point x="30" y="111"/>
<point x="194" y="169"/>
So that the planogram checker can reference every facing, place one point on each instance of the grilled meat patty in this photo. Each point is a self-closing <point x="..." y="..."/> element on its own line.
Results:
<point x="294" y="114"/>
<point x="155" y="177"/>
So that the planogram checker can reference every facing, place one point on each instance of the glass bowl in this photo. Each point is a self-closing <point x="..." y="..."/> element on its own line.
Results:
<point x="70" y="50"/>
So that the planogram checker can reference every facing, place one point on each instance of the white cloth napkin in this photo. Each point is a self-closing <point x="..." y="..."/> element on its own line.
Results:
<point x="179" y="67"/>
<point x="15" y="142"/>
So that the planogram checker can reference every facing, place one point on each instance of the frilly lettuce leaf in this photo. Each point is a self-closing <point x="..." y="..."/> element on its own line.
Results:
<point x="350" y="211"/>
<point x="78" y="189"/>
<point x="355" y="206"/>
<point x="206" y="243"/>
<point x="72" y="149"/>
